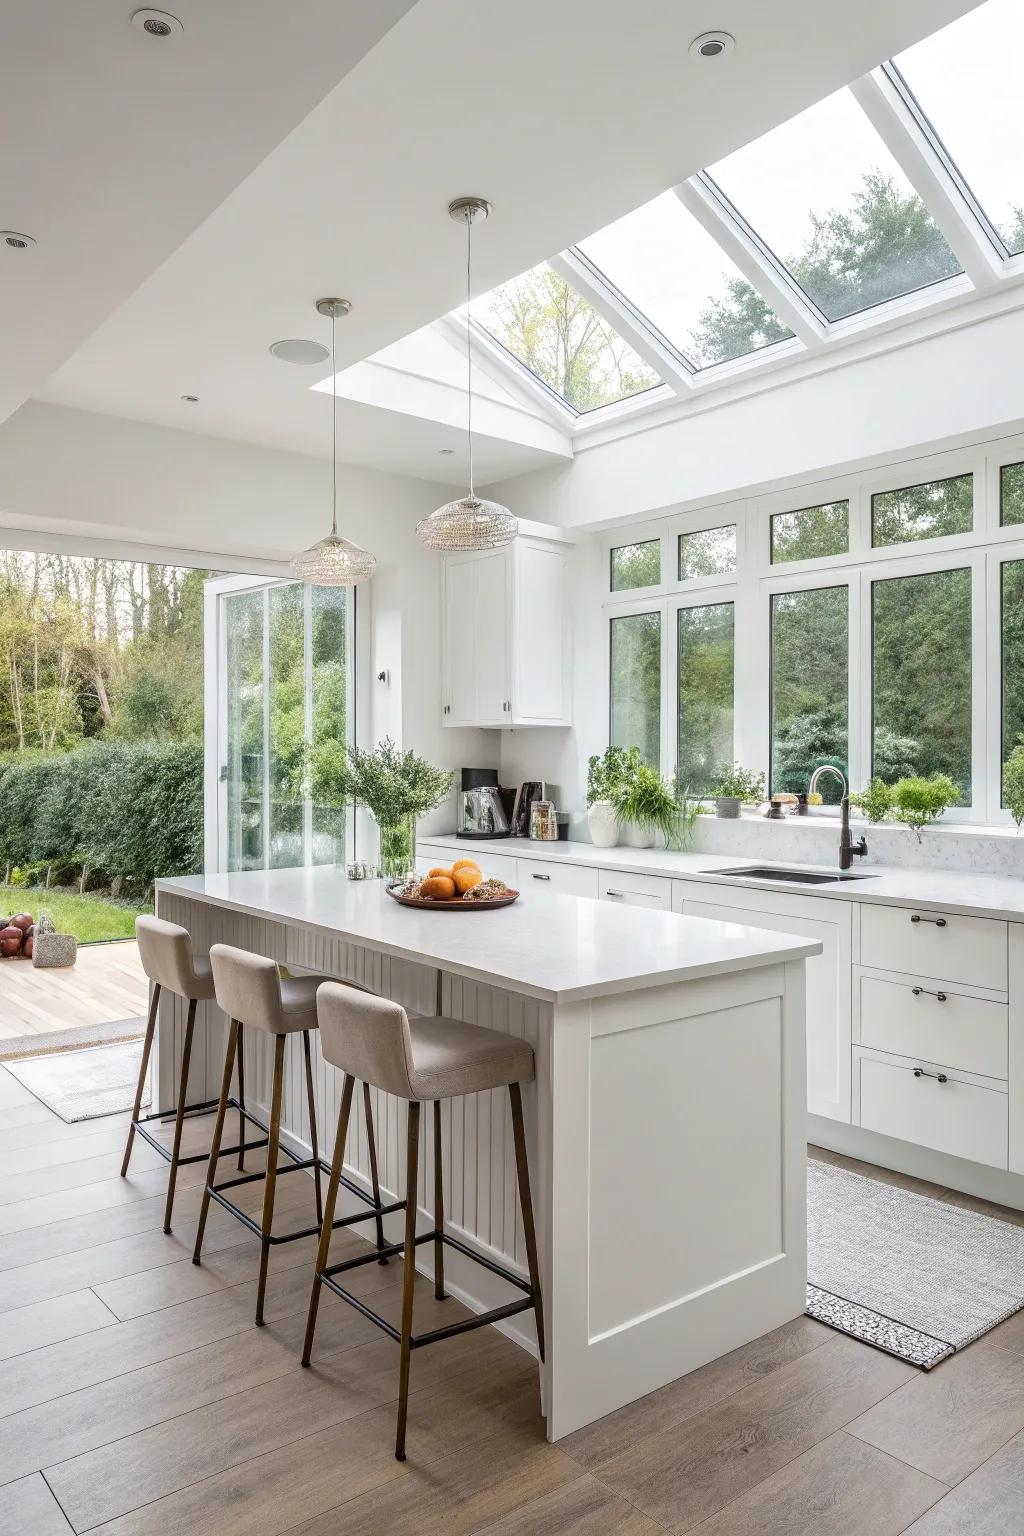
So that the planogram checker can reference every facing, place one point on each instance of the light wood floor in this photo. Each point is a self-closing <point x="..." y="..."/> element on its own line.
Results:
<point x="137" y="1398"/>
<point x="106" y="984"/>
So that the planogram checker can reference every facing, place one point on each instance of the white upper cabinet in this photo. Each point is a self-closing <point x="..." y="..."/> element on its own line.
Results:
<point x="506" y="636"/>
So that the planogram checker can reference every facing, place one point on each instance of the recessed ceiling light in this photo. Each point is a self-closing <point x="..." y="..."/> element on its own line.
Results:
<point x="13" y="241"/>
<point x="712" y="45"/>
<point x="157" y="23"/>
<point x="191" y="399"/>
<point x="299" y="351"/>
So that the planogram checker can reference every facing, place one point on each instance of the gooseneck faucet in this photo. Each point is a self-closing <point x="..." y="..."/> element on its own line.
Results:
<point x="847" y="847"/>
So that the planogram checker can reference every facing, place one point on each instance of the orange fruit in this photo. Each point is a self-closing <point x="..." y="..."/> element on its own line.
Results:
<point x="439" y="871"/>
<point x="465" y="864"/>
<point x="438" y="888"/>
<point x="465" y="878"/>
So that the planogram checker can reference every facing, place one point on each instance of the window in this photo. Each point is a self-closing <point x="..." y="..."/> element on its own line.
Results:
<point x="921" y="670"/>
<point x="667" y="266"/>
<point x="828" y="199"/>
<point x="328" y="640"/>
<point x="967" y="80"/>
<point x="1011" y="494"/>
<point x="636" y="565"/>
<point x="930" y="511"/>
<point x="812" y="533"/>
<point x="636" y="684"/>
<point x="711" y="552"/>
<point x="562" y="340"/>
<point x="1013" y="655"/>
<point x="704" y="727"/>
<point x="809" y="710"/>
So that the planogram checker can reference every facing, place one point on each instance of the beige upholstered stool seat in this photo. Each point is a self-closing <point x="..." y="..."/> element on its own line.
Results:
<point x="251" y="989"/>
<point x="167" y="959"/>
<point x="450" y="1058"/>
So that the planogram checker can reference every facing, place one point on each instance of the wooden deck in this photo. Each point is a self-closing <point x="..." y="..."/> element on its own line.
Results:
<point x="106" y="984"/>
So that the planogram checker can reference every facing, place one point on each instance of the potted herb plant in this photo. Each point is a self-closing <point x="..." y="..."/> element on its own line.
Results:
<point x="645" y="804"/>
<point x="1013" y="784"/>
<point x="918" y="802"/>
<point x="605" y="774"/>
<point x="395" y="787"/>
<point x="734" y="786"/>
<point x="875" y="801"/>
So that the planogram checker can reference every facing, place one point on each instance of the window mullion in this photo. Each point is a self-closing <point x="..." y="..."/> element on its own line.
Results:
<point x="603" y="298"/>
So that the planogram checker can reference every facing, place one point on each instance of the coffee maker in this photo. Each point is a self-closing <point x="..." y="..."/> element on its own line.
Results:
<point x="481" y="810"/>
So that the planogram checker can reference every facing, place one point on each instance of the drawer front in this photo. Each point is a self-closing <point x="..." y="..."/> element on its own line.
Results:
<point x="935" y="1025"/>
<point x="941" y="944"/>
<point x="566" y="879"/>
<point x="653" y="891"/>
<point x="955" y="1117"/>
<point x="496" y="864"/>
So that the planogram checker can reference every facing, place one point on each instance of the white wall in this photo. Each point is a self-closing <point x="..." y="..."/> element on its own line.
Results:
<point x="67" y="473"/>
<point x="951" y="388"/>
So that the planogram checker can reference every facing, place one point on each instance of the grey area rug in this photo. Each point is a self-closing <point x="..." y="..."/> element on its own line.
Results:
<point x="910" y="1275"/>
<point x="85" y="1084"/>
<point x="71" y="1039"/>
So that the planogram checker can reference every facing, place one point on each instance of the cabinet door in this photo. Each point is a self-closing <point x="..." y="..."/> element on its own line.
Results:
<point x="490" y="638"/>
<point x="539" y="683"/>
<point x="829" y="993"/>
<point x="459" y="669"/>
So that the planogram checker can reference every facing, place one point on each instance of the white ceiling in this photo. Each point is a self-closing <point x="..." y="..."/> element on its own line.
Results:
<point x="565" y="113"/>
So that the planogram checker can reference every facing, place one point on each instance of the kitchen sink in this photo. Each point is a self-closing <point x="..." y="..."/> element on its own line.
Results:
<point x="797" y="876"/>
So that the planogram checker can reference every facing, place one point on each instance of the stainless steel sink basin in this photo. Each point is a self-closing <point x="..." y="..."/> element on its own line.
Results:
<point x="796" y="876"/>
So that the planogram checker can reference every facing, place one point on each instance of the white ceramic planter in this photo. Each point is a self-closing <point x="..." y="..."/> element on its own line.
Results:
<point x="603" y="824"/>
<point x="637" y="837"/>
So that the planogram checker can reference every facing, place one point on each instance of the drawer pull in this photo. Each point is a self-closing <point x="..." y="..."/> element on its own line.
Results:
<point x="940" y="922"/>
<point x="615" y="893"/>
<point x="940" y="1077"/>
<point x="917" y="991"/>
<point x="541" y="877"/>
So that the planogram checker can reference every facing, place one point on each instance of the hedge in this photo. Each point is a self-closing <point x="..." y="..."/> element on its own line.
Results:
<point x="127" y="810"/>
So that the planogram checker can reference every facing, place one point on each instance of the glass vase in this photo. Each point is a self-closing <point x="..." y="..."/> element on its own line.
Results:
<point x="397" y="847"/>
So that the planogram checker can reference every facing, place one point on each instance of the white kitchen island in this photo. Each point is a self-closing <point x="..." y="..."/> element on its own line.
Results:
<point x="666" y="1124"/>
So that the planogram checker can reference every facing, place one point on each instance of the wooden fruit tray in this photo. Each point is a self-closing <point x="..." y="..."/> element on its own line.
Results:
<point x="456" y="904"/>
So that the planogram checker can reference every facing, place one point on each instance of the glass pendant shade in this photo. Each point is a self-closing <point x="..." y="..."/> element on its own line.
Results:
<point x="334" y="562"/>
<point x="469" y="523"/>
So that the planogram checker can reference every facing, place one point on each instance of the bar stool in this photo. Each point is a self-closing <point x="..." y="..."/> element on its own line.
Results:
<point x="167" y="959"/>
<point x="250" y="990"/>
<point x="374" y="1041"/>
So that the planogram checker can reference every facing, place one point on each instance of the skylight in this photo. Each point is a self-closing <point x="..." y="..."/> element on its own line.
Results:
<point x="666" y="265"/>
<point x="967" y="80"/>
<point x="562" y="340"/>
<point x="827" y="198"/>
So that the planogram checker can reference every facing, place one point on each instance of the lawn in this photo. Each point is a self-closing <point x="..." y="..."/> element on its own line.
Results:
<point x="89" y="918"/>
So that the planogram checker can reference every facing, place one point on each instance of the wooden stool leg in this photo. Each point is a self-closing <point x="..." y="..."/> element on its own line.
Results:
<point x="179" y="1118"/>
<point x="147" y="1047"/>
<point x="439" y="1290"/>
<point x="526" y="1203"/>
<point x="241" y="1098"/>
<point x="218" y="1133"/>
<point x="311" y="1103"/>
<point x="270" y="1185"/>
<point x="408" y="1274"/>
<point x="371" y="1142"/>
<point x="337" y="1162"/>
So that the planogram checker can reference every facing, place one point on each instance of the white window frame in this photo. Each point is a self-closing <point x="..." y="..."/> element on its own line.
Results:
<point x="698" y="594"/>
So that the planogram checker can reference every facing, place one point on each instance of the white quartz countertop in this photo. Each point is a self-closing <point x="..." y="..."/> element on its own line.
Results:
<point x="556" y="948"/>
<point x="959" y="891"/>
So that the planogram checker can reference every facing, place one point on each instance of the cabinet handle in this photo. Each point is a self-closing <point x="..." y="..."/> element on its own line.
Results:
<point x="917" y="991"/>
<point x="940" y="922"/>
<point x="940" y="1077"/>
<point x="615" y="893"/>
<point x="542" y="877"/>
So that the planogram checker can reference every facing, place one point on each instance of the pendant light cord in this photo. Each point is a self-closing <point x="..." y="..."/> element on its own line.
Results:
<point x="469" y="343"/>
<point x="334" y="436"/>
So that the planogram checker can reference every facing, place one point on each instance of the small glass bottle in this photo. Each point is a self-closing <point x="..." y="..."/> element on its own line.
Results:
<point x="543" y="822"/>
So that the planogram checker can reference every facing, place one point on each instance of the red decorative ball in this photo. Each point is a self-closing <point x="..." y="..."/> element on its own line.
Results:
<point x="28" y="946"/>
<point x="22" y="920"/>
<point x="11" y="940"/>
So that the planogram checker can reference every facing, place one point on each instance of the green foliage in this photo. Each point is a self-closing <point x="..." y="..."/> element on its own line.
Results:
<point x="875" y="801"/>
<point x="1013" y="784"/>
<point x="607" y="773"/>
<point x="812" y="533"/>
<point x="643" y="799"/>
<point x="706" y="671"/>
<point x="736" y="783"/>
<point x="392" y="784"/>
<point x="930" y="511"/>
<point x="636" y="565"/>
<point x="688" y="808"/>
<point x="808" y="740"/>
<point x="809" y="632"/>
<point x="131" y="810"/>
<point x="917" y="802"/>
<point x="636" y="683"/>
<point x="92" y="919"/>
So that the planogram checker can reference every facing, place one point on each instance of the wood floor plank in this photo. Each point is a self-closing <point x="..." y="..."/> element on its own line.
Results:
<point x="42" y="1129"/>
<point x="583" y="1508"/>
<point x="40" y="1323"/>
<point x="841" y="1487"/>
<point x="950" y="1420"/>
<point x="16" y="1188"/>
<point x="990" y="1502"/>
<point x="33" y="1113"/>
<point x="12" y="1093"/>
<point x="106" y="1191"/>
<point x="687" y="1473"/>
<point x="65" y="1149"/>
<point x="28" y="1508"/>
<point x="695" y="1393"/>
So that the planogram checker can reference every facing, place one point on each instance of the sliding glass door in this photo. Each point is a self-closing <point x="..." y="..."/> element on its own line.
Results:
<point x="281" y="653"/>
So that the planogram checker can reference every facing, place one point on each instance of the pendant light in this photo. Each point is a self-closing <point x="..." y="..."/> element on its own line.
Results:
<point x="470" y="522"/>
<point x="334" y="561"/>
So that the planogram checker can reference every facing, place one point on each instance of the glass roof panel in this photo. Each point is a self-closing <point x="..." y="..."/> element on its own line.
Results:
<point x="823" y="192"/>
<point x="562" y="340"/>
<point x="968" y="79"/>
<point x="664" y="262"/>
